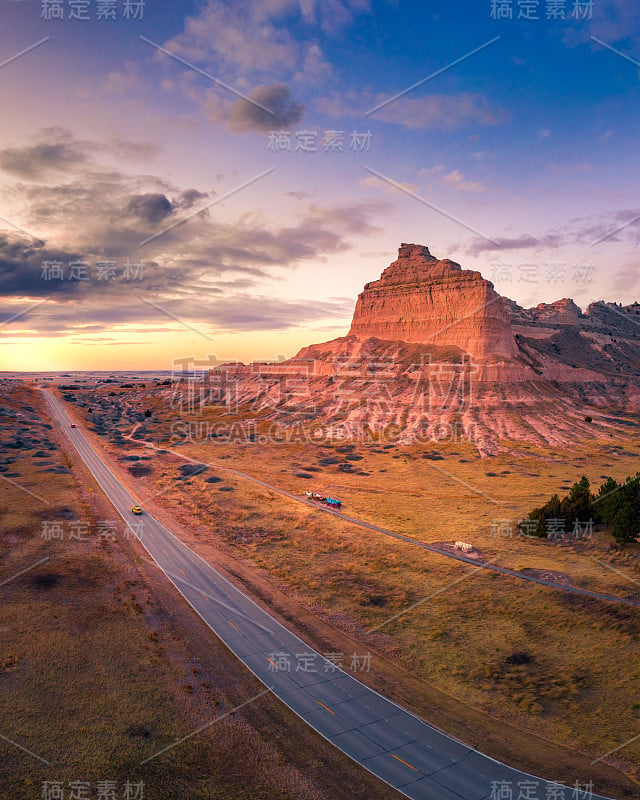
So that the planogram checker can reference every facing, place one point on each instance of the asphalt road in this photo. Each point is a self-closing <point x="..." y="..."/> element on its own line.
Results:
<point x="396" y="746"/>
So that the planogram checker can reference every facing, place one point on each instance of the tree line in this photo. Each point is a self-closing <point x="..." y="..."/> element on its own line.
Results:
<point x="616" y="505"/>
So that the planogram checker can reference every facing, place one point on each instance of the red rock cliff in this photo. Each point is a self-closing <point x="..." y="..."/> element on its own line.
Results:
<point x="422" y="299"/>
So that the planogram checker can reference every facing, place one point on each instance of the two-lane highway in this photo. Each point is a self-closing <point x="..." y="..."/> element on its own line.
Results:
<point x="396" y="746"/>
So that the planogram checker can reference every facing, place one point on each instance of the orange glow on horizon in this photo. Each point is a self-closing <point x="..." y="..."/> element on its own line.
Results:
<point x="117" y="351"/>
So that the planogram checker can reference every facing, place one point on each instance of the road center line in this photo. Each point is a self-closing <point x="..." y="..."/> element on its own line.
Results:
<point x="397" y="758"/>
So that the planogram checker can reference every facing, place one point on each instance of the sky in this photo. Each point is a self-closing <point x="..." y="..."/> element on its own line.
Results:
<point x="218" y="180"/>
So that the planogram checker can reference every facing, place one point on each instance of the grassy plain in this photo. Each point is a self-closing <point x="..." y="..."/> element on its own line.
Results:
<point x="560" y="667"/>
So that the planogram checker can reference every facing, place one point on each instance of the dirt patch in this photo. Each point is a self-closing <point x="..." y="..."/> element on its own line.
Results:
<point x="561" y="578"/>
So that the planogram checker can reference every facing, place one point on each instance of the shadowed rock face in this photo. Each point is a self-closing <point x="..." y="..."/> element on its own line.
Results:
<point x="421" y="299"/>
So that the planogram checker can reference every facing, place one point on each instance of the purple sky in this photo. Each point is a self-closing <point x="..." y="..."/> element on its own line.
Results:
<point x="232" y="198"/>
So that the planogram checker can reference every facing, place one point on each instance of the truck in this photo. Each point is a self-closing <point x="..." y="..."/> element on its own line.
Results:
<point x="332" y="502"/>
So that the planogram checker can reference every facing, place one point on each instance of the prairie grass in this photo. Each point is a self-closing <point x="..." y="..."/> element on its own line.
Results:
<point x="458" y="629"/>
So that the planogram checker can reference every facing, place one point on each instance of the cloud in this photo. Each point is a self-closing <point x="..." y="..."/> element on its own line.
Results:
<point x="55" y="151"/>
<point x="188" y="198"/>
<point x="242" y="115"/>
<point x="246" y="39"/>
<point x="251" y="313"/>
<point x="81" y="308"/>
<point x="315" y="68"/>
<point x="432" y="112"/>
<point x="615" y="226"/>
<point x="209" y="264"/>
<point x="427" y="172"/>
<point x="149" y="208"/>
<point x="456" y="181"/>
<point x="246" y="116"/>
<point x="240" y="39"/>
<point x="378" y="183"/>
<point x="121" y="81"/>
<point x="349" y="218"/>
<point x="615" y="22"/>
<point x="270" y="45"/>
<point x="21" y="267"/>
<point x="442" y="112"/>
<point x="267" y="44"/>
<point x="133" y="150"/>
<point x="622" y="225"/>
<point x="523" y="242"/>
<point x="453" y="180"/>
<point x="198" y="290"/>
<point x="333" y="15"/>
<point x="626" y="279"/>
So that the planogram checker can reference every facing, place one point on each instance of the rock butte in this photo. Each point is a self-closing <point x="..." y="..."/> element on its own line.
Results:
<point x="421" y="299"/>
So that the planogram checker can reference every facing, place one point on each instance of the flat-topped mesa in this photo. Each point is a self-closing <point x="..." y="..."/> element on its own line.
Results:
<point x="425" y="300"/>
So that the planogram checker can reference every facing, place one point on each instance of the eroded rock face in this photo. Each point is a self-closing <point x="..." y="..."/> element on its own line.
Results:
<point x="434" y="353"/>
<point x="422" y="299"/>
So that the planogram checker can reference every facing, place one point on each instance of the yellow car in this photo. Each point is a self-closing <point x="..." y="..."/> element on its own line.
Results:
<point x="136" y="510"/>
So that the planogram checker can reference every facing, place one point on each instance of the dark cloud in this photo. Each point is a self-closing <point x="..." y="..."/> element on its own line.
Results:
<point x="523" y="242"/>
<point x="187" y="199"/>
<point x="149" y="208"/>
<point x="56" y="151"/>
<point x="205" y="269"/>
<point x="21" y="268"/>
<point x="213" y="260"/>
<point x="247" y="116"/>
<point x="201" y="247"/>
<point x="622" y="225"/>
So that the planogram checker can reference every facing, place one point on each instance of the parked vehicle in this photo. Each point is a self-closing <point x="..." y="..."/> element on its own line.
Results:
<point x="332" y="502"/>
